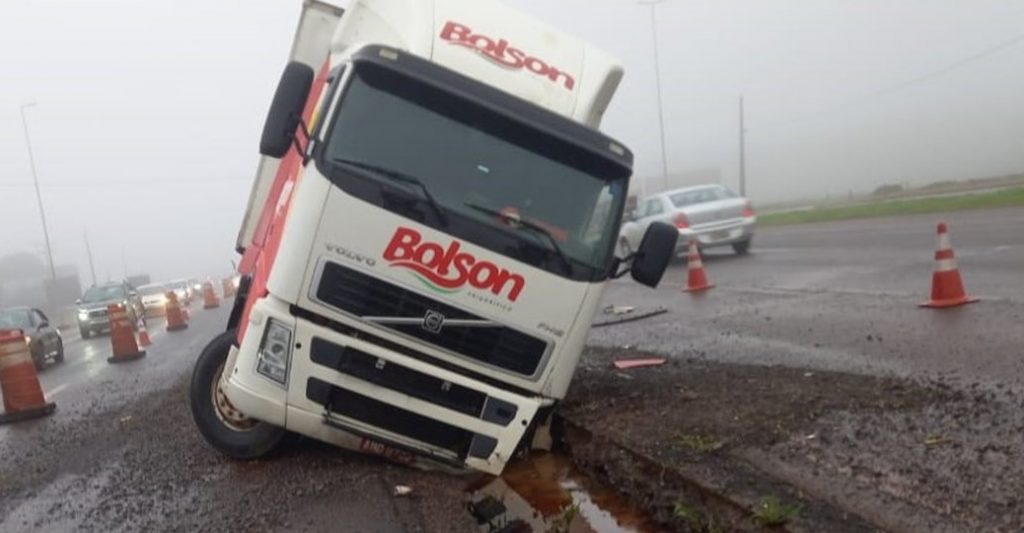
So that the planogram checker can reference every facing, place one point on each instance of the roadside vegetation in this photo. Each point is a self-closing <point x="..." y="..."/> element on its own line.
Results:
<point x="1002" y="198"/>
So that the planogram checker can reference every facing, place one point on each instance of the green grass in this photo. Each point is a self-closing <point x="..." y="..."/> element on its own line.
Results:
<point x="773" y="513"/>
<point x="698" y="443"/>
<point x="1003" y="198"/>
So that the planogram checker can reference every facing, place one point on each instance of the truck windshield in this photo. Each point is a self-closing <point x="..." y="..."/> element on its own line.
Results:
<point x="461" y="167"/>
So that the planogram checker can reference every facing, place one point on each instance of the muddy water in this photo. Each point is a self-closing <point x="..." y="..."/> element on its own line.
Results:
<point x="545" y="493"/>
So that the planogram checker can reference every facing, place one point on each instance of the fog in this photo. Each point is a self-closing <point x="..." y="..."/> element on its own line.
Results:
<point x="148" y="113"/>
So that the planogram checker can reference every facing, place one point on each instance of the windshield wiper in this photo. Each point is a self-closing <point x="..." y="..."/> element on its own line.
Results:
<point x="400" y="177"/>
<point x="540" y="230"/>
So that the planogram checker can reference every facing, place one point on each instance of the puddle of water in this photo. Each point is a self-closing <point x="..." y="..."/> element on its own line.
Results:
<point x="545" y="493"/>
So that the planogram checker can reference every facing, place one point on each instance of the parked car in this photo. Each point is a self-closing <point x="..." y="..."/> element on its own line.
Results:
<point x="92" y="307"/>
<point x="712" y="215"/>
<point x="154" y="299"/>
<point x="44" y="341"/>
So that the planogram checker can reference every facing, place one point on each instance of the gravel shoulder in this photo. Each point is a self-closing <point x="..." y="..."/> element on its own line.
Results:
<point x="701" y="445"/>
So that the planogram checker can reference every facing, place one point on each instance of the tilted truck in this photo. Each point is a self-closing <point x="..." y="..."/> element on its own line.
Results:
<point x="428" y="237"/>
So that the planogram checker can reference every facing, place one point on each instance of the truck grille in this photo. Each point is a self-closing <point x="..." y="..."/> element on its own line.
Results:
<point x="98" y="313"/>
<point x="389" y="418"/>
<point x="369" y="368"/>
<point x="367" y="296"/>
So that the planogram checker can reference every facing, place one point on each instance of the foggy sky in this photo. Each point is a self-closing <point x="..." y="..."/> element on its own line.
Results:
<point x="148" y="114"/>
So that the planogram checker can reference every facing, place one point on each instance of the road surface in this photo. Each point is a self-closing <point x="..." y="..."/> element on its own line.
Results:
<point x="121" y="454"/>
<point x="843" y="296"/>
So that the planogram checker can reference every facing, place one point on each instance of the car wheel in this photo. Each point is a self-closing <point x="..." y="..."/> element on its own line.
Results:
<point x="60" y="351"/>
<point x="85" y="333"/>
<point x="223" y="426"/>
<point x="742" y="247"/>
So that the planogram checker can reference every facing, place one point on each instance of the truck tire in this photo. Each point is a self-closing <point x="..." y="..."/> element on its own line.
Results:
<point x="226" y="429"/>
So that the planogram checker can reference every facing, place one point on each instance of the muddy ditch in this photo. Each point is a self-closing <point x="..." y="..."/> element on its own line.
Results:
<point x="704" y="446"/>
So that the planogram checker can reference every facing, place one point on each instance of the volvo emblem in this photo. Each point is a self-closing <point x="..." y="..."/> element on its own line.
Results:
<point x="433" y="321"/>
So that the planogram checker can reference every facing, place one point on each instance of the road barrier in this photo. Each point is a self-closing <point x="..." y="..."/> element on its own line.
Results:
<point x="210" y="300"/>
<point x="696" y="278"/>
<point x="122" y="337"/>
<point x="175" y="314"/>
<point x="228" y="286"/>
<point x="19" y="383"/>
<point x="947" y="287"/>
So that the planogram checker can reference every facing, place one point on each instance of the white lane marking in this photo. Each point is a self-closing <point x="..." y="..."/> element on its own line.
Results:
<point x="55" y="391"/>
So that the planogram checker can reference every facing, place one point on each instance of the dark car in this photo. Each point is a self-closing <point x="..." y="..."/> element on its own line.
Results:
<point x="92" y="307"/>
<point x="44" y="342"/>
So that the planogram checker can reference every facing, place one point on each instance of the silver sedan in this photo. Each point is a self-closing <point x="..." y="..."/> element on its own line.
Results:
<point x="712" y="215"/>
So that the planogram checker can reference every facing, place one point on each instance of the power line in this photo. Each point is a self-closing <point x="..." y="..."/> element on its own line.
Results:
<point x="859" y="100"/>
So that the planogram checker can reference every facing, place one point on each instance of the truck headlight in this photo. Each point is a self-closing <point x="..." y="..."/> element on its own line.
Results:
<point x="275" y="352"/>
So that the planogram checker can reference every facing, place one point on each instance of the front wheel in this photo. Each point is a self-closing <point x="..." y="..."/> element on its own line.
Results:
<point x="60" y="352"/>
<point x="85" y="332"/>
<point x="223" y="426"/>
<point x="742" y="247"/>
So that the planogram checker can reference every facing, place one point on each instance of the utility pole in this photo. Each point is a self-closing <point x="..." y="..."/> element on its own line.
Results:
<point x="39" y="196"/>
<point x="88" y="251"/>
<point x="743" y="153"/>
<point x="657" y="86"/>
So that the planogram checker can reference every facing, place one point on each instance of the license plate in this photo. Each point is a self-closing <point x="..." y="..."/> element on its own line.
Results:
<point x="719" y="235"/>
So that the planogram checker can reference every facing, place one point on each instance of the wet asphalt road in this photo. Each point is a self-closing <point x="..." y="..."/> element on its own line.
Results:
<point x="121" y="454"/>
<point x="843" y="296"/>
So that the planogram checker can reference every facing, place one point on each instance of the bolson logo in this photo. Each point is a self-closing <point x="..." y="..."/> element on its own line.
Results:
<point x="500" y="52"/>
<point x="449" y="269"/>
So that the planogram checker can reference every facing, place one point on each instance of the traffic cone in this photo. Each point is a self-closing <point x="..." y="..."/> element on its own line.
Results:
<point x="947" y="287"/>
<point x="122" y="338"/>
<point x="19" y="384"/>
<point x="144" y="340"/>
<point x="228" y="286"/>
<point x="696" y="279"/>
<point x="175" y="313"/>
<point x="210" y="300"/>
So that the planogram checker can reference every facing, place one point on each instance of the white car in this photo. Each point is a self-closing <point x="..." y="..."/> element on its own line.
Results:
<point x="154" y="298"/>
<point x="711" y="215"/>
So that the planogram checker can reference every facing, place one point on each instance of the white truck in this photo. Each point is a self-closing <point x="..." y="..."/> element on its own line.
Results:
<point x="428" y="236"/>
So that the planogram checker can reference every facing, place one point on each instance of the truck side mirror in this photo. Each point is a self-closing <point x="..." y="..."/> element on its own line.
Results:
<point x="655" y="251"/>
<point x="285" y="112"/>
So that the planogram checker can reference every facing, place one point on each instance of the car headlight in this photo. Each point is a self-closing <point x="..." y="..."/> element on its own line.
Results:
<point x="28" y="339"/>
<point x="83" y="314"/>
<point x="275" y="352"/>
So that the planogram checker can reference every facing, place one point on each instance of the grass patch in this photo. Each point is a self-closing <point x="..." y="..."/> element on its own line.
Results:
<point x="699" y="443"/>
<point x="773" y="513"/>
<point x="1004" y="198"/>
<point x="695" y="519"/>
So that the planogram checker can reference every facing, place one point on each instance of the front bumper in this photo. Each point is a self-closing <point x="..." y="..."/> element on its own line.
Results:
<point x="389" y="407"/>
<point x="717" y="234"/>
<point x="94" y="323"/>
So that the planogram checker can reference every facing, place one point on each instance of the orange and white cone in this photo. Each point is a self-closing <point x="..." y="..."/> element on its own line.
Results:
<point x="144" y="340"/>
<point x="22" y="394"/>
<point x="122" y="338"/>
<point x="696" y="278"/>
<point x="177" y="320"/>
<point x="947" y="287"/>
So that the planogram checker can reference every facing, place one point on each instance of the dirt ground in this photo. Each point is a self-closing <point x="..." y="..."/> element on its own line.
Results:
<point x="877" y="453"/>
<point x="144" y="467"/>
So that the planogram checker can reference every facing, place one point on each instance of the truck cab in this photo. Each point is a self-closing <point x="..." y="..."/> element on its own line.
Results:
<point x="422" y="267"/>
